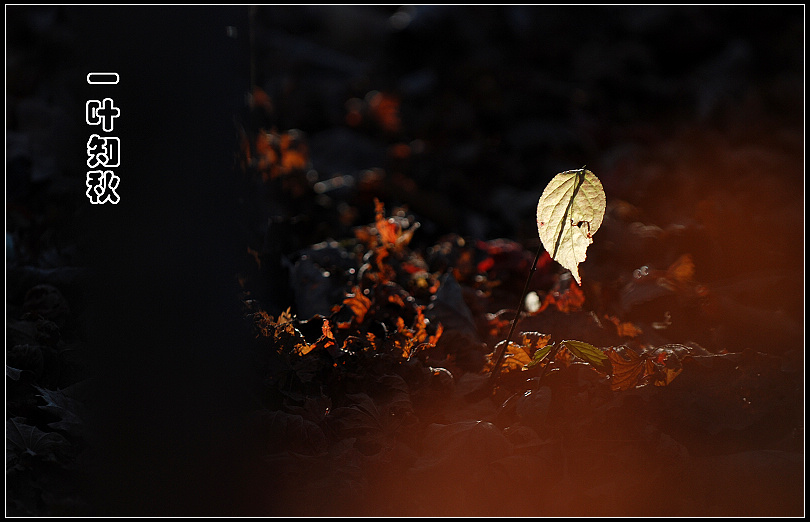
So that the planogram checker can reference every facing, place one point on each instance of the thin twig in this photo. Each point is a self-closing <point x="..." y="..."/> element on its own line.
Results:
<point x="499" y="359"/>
<point x="551" y="355"/>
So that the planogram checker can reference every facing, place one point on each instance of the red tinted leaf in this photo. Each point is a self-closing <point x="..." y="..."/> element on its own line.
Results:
<point x="412" y="268"/>
<point x="486" y="264"/>
<point x="667" y="363"/>
<point x="629" y="368"/>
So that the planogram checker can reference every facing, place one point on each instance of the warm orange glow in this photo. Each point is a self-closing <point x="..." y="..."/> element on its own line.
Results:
<point x="358" y="303"/>
<point x="279" y="154"/>
<point x="628" y="369"/>
<point x="624" y="329"/>
<point x="385" y="110"/>
<point x="571" y="300"/>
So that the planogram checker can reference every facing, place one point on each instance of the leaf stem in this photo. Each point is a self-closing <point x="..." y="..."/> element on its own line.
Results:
<point x="499" y="358"/>
<point x="580" y="181"/>
<point x="551" y="355"/>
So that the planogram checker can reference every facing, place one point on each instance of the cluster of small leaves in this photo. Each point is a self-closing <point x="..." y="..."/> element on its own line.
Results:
<point x="383" y="250"/>
<point x="275" y="154"/>
<point x="377" y="317"/>
<point x="353" y="335"/>
<point x="569" y="212"/>
<point x="624" y="367"/>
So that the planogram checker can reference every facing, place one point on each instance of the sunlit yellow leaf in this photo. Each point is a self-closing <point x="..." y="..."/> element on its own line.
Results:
<point x="569" y="213"/>
<point x="515" y="358"/>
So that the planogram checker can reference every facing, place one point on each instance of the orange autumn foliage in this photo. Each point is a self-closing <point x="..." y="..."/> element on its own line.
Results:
<point x="571" y="300"/>
<point x="657" y="366"/>
<point x="278" y="154"/>
<point x="358" y="303"/>
<point x="624" y="329"/>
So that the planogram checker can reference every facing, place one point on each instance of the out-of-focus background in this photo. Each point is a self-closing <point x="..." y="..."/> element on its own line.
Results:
<point x="692" y="117"/>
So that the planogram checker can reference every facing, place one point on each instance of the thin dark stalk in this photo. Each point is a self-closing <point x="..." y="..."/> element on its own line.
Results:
<point x="552" y="354"/>
<point x="496" y="369"/>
